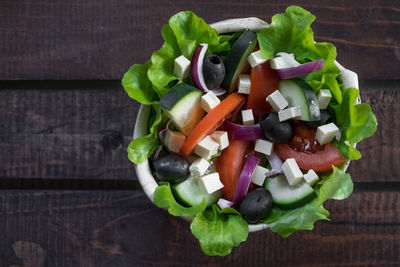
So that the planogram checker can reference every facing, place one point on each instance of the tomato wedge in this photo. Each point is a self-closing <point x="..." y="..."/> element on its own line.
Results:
<point x="319" y="161"/>
<point x="264" y="81"/>
<point x="229" y="166"/>
<point x="211" y="121"/>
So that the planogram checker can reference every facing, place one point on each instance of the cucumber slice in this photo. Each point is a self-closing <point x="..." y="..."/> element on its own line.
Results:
<point x="236" y="60"/>
<point x="286" y="196"/>
<point x="182" y="105"/>
<point x="298" y="93"/>
<point x="190" y="193"/>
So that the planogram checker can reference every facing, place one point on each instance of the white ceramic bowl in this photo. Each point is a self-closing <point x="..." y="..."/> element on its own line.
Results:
<point x="146" y="179"/>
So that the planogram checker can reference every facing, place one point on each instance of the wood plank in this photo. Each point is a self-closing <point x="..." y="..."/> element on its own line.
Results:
<point x="101" y="39"/>
<point x="114" y="228"/>
<point x="75" y="134"/>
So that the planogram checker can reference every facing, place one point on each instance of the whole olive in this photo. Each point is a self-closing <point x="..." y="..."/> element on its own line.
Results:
<point x="257" y="205"/>
<point x="274" y="130"/>
<point x="213" y="71"/>
<point x="325" y="118"/>
<point x="172" y="168"/>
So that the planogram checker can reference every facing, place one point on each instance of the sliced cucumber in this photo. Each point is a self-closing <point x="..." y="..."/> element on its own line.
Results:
<point x="182" y="103"/>
<point x="236" y="60"/>
<point x="190" y="193"/>
<point x="298" y="93"/>
<point x="286" y="196"/>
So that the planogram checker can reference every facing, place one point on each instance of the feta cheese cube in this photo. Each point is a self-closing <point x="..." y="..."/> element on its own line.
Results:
<point x="221" y="137"/>
<point x="181" y="67"/>
<point x="311" y="177"/>
<point x="258" y="177"/>
<point x="209" y="101"/>
<point x="256" y="58"/>
<point x="244" y="84"/>
<point x="211" y="182"/>
<point x="206" y="147"/>
<point x="263" y="146"/>
<point x="289" y="113"/>
<point x="174" y="140"/>
<point x="247" y="117"/>
<point x="199" y="167"/>
<point x="326" y="133"/>
<point x="292" y="171"/>
<point x="279" y="63"/>
<point x="277" y="101"/>
<point x="324" y="96"/>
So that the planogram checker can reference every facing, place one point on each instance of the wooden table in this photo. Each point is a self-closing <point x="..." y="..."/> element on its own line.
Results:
<point x="70" y="197"/>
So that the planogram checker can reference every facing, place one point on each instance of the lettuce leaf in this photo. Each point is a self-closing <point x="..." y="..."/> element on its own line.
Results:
<point x="337" y="185"/>
<point x="163" y="198"/>
<point x="143" y="147"/>
<point x="291" y="32"/>
<point x="355" y="122"/>
<point x="138" y="86"/>
<point x="218" y="231"/>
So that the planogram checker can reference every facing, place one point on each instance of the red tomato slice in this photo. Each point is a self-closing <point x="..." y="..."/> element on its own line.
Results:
<point x="229" y="166"/>
<point x="264" y="81"/>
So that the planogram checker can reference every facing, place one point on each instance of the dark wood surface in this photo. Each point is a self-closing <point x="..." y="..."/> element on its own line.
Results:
<point x="95" y="39"/>
<point x="70" y="197"/>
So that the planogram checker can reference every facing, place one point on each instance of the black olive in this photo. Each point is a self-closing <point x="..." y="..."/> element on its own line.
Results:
<point x="274" y="130"/>
<point x="257" y="205"/>
<point x="325" y="118"/>
<point x="172" y="168"/>
<point x="213" y="71"/>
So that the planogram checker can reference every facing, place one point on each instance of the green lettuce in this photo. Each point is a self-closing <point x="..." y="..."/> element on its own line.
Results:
<point x="218" y="231"/>
<point x="337" y="185"/>
<point x="143" y="147"/>
<point x="291" y="32"/>
<point x="163" y="198"/>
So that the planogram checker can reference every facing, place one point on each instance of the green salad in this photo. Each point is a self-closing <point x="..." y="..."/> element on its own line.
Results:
<point x="247" y="126"/>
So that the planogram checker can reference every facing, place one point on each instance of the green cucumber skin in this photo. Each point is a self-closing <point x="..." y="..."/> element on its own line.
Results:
<point x="192" y="194"/>
<point x="298" y="93"/>
<point x="296" y="201"/>
<point x="238" y="54"/>
<point x="175" y="94"/>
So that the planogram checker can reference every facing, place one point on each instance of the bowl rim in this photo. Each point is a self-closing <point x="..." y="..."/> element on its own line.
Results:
<point x="143" y="171"/>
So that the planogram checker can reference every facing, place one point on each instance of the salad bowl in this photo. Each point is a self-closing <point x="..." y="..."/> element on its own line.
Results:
<point x="143" y="171"/>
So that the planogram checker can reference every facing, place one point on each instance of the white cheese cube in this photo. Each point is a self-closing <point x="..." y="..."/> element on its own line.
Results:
<point x="206" y="148"/>
<point x="256" y="58"/>
<point x="199" y="167"/>
<point x="263" y="146"/>
<point x="247" y="117"/>
<point x="211" y="182"/>
<point x="289" y="113"/>
<point x="311" y="177"/>
<point x="244" y="84"/>
<point x="209" y="101"/>
<point x="258" y="177"/>
<point x="174" y="140"/>
<point x="221" y="137"/>
<point x="324" y="96"/>
<point x="181" y="67"/>
<point x="292" y="171"/>
<point x="279" y="63"/>
<point x="326" y="133"/>
<point x="277" y="101"/>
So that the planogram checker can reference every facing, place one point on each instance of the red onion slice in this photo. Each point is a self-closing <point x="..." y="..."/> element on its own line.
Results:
<point x="275" y="161"/>
<point x="273" y="173"/>
<point x="197" y="70"/>
<point x="245" y="178"/>
<point x="243" y="132"/>
<point x="224" y="203"/>
<point x="301" y="70"/>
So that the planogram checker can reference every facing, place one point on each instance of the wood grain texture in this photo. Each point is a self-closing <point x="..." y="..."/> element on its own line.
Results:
<point x="100" y="39"/>
<point x="66" y="133"/>
<point x="76" y="134"/>
<point x="98" y="228"/>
